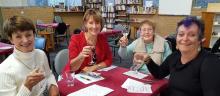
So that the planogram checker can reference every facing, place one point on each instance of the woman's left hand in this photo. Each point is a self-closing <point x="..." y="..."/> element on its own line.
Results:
<point x="90" y="68"/>
<point x="143" y="56"/>
<point x="53" y="91"/>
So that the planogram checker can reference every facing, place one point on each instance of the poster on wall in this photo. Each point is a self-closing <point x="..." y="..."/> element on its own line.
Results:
<point x="175" y="7"/>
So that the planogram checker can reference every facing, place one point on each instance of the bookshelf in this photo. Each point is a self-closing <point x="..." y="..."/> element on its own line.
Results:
<point x="108" y="13"/>
<point x="121" y="13"/>
<point x="212" y="27"/>
<point x="94" y="4"/>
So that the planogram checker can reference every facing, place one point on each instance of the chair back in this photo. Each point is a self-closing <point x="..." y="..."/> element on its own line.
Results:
<point x="216" y="46"/>
<point x="61" y="28"/>
<point x="58" y="19"/>
<point x="40" y="43"/>
<point x="60" y="60"/>
<point x="171" y="39"/>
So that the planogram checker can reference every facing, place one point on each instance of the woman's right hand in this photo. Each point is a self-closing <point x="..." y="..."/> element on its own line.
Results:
<point x="123" y="41"/>
<point x="33" y="78"/>
<point x="86" y="51"/>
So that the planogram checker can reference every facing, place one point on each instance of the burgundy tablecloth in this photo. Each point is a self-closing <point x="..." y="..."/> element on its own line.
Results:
<point x="53" y="25"/>
<point x="111" y="32"/>
<point x="113" y="79"/>
<point x="5" y="51"/>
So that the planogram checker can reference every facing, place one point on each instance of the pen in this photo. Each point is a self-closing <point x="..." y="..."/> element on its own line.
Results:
<point x="85" y="78"/>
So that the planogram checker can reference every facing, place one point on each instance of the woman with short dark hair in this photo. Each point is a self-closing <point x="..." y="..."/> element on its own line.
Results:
<point x="26" y="71"/>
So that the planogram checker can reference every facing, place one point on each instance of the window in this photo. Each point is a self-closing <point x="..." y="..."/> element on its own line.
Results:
<point x="37" y="2"/>
<point x="204" y="3"/>
<point x="66" y="2"/>
<point x="109" y="2"/>
<point x="55" y="2"/>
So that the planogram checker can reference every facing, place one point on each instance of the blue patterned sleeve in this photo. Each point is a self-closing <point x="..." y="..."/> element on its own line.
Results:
<point x="127" y="52"/>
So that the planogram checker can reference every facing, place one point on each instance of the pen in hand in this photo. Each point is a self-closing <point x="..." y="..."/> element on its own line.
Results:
<point x="85" y="78"/>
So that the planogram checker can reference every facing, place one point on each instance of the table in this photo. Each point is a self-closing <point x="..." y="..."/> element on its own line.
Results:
<point x="49" y="35"/>
<point x="111" y="32"/>
<point x="113" y="79"/>
<point x="51" y="25"/>
<point x="6" y="49"/>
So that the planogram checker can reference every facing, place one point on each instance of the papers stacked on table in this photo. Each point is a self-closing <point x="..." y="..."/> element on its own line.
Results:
<point x="86" y="79"/>
<point x="108" y="68"/>
<point x="135" y="74"/>
<point x="134" y="86"/>
<point x="93" y="90"/>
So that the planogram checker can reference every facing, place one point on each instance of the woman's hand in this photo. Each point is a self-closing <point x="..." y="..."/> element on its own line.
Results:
<point x="86" y="51"/>
<point x="123" y="42"/>
<point x="53" y="90"/>
<point x="33" y="78"/>
<point x="90" y="68"/>
<point x="141" y="57"/>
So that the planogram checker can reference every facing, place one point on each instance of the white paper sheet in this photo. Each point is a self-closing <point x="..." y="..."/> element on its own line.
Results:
<point x="108" y="68"/>
<point x="134" y="74"/>
<point x="134" y="86"/>
<point x="93" y="90"/>
<point x="87" y="79"/>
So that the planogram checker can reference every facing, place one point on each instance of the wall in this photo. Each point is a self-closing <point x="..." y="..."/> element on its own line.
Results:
<point x="16" y="3"/>
<point x="43" y="13"/>
<point x="165" y="24"/>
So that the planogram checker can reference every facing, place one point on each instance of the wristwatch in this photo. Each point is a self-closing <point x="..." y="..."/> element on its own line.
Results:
<point x="99" y="66"/>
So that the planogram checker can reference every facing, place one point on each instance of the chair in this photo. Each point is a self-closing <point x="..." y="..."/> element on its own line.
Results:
<point x="171" y="39"/>
<point x="113" y="40"/>
<point x="61" y="32"/>
<point x="215" y="49"/>
<point x="60" y="60"/>
<point x="40" y="43"/>
<point x="58" y="19"/>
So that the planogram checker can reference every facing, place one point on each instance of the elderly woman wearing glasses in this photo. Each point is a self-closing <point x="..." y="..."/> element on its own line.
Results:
<point x="193" y="71"/>
<point x="149" y="42"/>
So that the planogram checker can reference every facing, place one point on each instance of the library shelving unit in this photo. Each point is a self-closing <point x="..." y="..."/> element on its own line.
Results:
<point x="122" y="16"/>
<point x="108" y="13"/>
<point x="212" y="28"/>
<point x="94" y="4"/>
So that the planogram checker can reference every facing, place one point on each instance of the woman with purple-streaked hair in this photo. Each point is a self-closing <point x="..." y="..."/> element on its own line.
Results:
<point x="193" y="71"/>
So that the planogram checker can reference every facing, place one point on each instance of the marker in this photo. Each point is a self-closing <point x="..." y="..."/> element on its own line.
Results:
<point x="85" y="78"/>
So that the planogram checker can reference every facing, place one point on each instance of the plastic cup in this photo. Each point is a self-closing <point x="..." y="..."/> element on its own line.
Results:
<point x="70" y="76"/>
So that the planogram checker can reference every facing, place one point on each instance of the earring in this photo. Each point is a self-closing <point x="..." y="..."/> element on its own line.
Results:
<point x="177" y="48"/>
<point x="199" y="49"/>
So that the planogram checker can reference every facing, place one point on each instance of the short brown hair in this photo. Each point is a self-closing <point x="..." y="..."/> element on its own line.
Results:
<point x="17" y="23"/>
<point x="96" y="16"/>
<point x="148" y="22"/>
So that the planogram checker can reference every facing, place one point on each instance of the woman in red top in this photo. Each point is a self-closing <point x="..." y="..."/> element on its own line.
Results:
<point x="89" y="46"/>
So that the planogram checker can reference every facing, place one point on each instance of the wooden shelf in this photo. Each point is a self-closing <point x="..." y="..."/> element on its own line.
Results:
<point x="93" y="2"/>
<point x="216" y="24"/>
<point x="141" y="13"/>
<point x="217" y="36"/>
<point x="134" y="4"/>
<point x="121" y="15"/>
<point x="68" y="11"/>
<point x="120" y="4"/>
